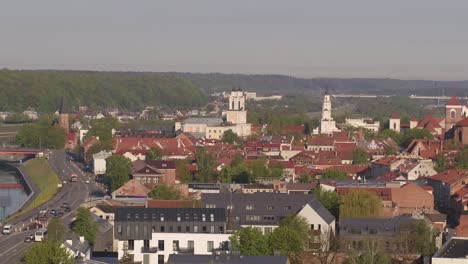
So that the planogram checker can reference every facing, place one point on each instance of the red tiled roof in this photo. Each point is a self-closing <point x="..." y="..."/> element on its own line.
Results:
<point x="395" y="116"/>
<point x="320" y="140"/>
<point x="463" y="122"/>
<point x="450" y="176"/>
<point x="453" y="101"/>
<point x="168" y="146"/>
<point x="132" y="188"/>
<point x="414" y="119"/>
<point x="387" y="160"/>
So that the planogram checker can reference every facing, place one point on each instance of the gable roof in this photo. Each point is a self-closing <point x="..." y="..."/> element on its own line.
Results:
<point x="463" y="122"/>
<point x="453" y="101"/>
<point x="450" y="176"/>
<point x="321" y="211"/>
<point x="133" y="188"/>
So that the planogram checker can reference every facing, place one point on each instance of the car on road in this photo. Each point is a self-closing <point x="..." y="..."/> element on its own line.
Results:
<point x="53" y="212"/>
<point x="87" y="181"/>
<point x="7" y="229"/>
<point x="29" y="239"/>
<point x="64" y="205"/>
<point x="41" y="218"/>
<point x="67" y="209"/>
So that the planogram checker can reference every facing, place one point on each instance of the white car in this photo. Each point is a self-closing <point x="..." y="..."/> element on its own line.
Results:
<point x="7" y="229"/>
<point x="87" y="181"/>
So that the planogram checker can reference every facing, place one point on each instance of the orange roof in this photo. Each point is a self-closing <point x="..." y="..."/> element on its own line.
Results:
<point x="395" y="116"/>
<point x="453" y="101"/>
<point x="320" y="140"/>
<point x="132" y="188"/>
<point x="412" y="196"/>
<point x="450" y="176"/>
<point x="463" y="122"/>
<point x="387" y="160"/>
<point x="462" y="228"/>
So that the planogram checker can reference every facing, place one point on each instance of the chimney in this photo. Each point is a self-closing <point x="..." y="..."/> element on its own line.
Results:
<point x="82" y="239"/>
<point x="360" y="135"/>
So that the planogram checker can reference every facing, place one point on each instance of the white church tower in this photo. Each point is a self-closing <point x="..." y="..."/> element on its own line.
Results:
<point x="237" y="113"/>
<point x="327" y="124"/>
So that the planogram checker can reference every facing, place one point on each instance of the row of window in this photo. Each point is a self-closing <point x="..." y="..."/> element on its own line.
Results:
<point x="179" y="217"/>
<point x="175" y="245"/>
<point x="171" y="229"/>
<point x="251" y="207"/>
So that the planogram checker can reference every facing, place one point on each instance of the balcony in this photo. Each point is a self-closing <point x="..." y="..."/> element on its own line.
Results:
<point x="149" y="249"/>
<point x="185" y="251"/>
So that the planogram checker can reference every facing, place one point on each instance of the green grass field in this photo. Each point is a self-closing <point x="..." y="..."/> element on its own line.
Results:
<point x="42" y="175"/>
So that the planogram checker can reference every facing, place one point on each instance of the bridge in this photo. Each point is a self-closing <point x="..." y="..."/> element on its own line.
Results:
<point x="422" y="97"/>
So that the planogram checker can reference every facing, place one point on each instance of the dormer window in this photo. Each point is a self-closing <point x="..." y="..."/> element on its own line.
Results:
<point x="147" y="170"/>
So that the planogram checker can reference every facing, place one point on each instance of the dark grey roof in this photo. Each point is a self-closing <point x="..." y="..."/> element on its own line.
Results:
<point x="322" y="211"/>
<point x="227" y="259"/>
<point x="204" y="120"/>
<point x="454" y="248"/>
<point x="375" y="223"/>
<point x="76" y="245"/>
<point x="270" y="207"/>
<point x="106" y="208"/>
<point x="436" y="217"/>
<point x="169" y="214"/>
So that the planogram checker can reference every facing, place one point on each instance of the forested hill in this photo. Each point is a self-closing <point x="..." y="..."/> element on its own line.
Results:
<point x="43" y="90"/>
<point x="268" y="84"/>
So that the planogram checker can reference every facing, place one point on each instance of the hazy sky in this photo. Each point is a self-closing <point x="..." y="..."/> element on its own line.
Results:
<point x="424" y="39"/>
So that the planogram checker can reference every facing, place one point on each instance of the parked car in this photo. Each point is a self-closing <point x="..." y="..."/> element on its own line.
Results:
<point x="29" y="239"/>
<point x="64" y="205"/>
<point x="53" y="212"/>
<point x="7" y="229"/>
<point x="67" y="209"/>
<point x="87" y="181"/>
<point x="41" y="218"/>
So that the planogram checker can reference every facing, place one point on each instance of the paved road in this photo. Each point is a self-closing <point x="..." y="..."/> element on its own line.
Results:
<point x="12" y="246"/>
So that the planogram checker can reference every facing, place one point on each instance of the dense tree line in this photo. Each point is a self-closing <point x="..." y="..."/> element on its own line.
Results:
<point x="43" y="134"/>
<point x="43" y="90"/>
<point x="267" y="84"/>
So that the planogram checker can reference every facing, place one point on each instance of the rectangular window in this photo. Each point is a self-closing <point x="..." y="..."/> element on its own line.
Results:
<point x="221" y="229"/>
<point x="171" y="229"/>
<point x="268" y="230"/>
<point x="187" y="229"/>
<point x="162" y="229"/>
<point x="131" y="245"/>
<point x="161" y="245"/>
<point x="249" y="207"/>
<point x="210" y="246"/>
<point x="179" y="229"/>
<point x="137" y="230"/>
<point x="119" y="229"/>
<point x="212" y="229"/>
<point x="195" y="229"/>
<point x="203" y="217"/>
<point x="190" y="244"/>
<point x="270" y="207"/>
<point x="212" y="217"/>
<point x="160" y="259"/>
<point x="204" y="229"/>
<point x="210" y="206"/>
<point x="312" y="227"/>
<point x="319" y="227"/>
<point x="146" y="243"/>
<point x="128" y="230"/>
<point x="175" y="245"/>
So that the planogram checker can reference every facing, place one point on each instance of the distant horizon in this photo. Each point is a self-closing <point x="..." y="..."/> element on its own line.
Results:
<point x="233" y="73"/>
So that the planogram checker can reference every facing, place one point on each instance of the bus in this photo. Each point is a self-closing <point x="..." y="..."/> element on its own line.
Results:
<point x="74" y="178"/>
<point x="40" y="235"/>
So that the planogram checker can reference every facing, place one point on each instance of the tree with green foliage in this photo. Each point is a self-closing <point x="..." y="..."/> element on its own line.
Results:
<point x="360" y="203"/>
<point x="334" y="174"/>
<point x="389" y="133"/>
<point x="43" y="90"/>
<point x="441" y="163"/>
<point x="17" y="118"/>
<point x="258" y="168"/>
<point x="43" y="134"/>
<point x="291" y="236"/>
<point x="329" y="199"/>
<point x="237" y="174"/>
<point x="230" y="137"/>
<point x="118" y="169"/>
<point x="415" y="133"/>
<point x="304" y="177"/>
<point x="462" y="158"/>
<point x="102" y="128"/>
<point x="126" y="257"/>
<point x="416" y="237"/>
<point x="56" y="230"/>
<point x="47" y="253"/>
<point x="154" y="154"/>
<point x="360" y="156"/>
<point x="206" y="163"/>
<point x="184" y="175"/>
<point x="84" y="225"/>
<point x="165" y="192"/>
<point x="250" y="241"/>
<point x="370" y="252"/>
